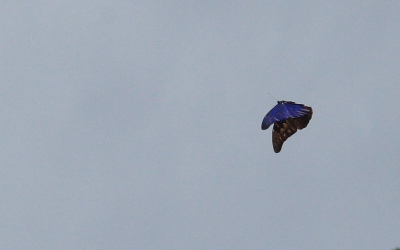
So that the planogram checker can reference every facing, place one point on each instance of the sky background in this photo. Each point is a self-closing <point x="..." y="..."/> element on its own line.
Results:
<point x="136" y="125"/>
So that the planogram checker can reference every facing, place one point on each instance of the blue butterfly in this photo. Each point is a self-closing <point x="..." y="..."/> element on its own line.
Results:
<point x="287" y="117"/>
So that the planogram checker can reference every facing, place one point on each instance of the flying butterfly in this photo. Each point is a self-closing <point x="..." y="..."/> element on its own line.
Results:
<point x="287" y="117"/>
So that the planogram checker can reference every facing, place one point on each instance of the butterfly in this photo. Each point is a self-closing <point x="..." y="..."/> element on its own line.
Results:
<point x="287" y="117"/>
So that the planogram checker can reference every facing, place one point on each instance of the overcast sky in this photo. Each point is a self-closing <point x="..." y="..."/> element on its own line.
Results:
<point x="136" y="125"/>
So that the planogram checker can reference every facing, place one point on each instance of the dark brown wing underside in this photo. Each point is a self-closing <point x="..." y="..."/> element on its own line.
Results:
<point x="284" y="129"/>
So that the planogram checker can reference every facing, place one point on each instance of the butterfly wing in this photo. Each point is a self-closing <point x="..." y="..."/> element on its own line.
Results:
<point x="286" y="128"/>
<point x="281" y="131"/>
<point x="274" y="115"/>
<point x="287" y="117"/>
<point x="284" y="110"/>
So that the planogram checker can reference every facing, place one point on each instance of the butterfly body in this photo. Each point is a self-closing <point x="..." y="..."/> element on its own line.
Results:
<point x="287" y="118"/>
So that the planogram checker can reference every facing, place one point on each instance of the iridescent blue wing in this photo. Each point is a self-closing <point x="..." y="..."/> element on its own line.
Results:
<point x="284" y="110"/>
<point x="287" y="117"/>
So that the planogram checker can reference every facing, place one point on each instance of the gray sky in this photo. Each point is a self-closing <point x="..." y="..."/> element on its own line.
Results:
<point x="136" y="125"/>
